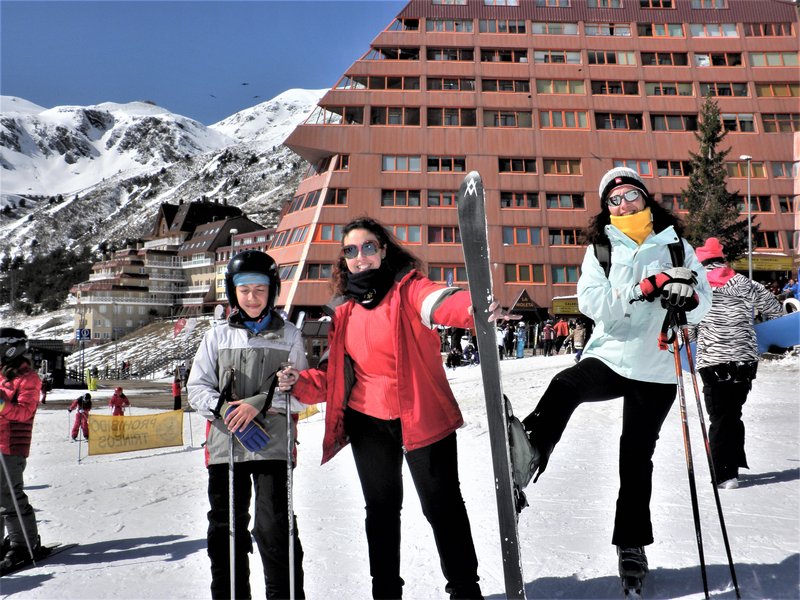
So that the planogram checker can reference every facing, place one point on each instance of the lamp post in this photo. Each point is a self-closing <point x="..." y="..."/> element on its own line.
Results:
<point x="749" y="159"/>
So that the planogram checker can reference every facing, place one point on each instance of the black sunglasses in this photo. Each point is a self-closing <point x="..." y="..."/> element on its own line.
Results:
<point x="367" y="249"/>
<point x="629" y="196"/>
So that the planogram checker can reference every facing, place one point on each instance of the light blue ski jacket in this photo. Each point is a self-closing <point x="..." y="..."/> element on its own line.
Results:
<point x="626" y="334"/>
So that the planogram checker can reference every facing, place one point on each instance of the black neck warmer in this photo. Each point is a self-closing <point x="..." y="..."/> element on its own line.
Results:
<point x="369" y="287"/>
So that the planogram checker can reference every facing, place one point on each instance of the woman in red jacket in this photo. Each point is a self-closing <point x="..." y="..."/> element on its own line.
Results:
<point x="19" y="399"/>
<point x="387" y="395"/>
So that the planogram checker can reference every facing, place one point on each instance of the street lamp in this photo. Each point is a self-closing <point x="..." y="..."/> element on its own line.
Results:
<point x="749" y="160"/>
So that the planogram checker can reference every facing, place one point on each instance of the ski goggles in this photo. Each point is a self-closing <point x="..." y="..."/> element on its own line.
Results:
<point x="366" y="249"/>
<point x="629" y="196"/>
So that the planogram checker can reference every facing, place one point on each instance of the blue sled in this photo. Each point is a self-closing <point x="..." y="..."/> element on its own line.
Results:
<point x="783" y="332"/>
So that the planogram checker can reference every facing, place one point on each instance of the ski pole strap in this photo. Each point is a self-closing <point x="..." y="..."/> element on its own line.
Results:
<point x="225" y="395"/>
<point x="673" y="320"/>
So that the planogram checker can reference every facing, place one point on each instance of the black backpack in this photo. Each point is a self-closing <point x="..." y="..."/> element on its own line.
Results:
<point x="602" y="251"/>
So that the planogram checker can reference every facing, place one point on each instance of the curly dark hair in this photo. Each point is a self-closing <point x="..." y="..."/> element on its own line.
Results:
<point x="662" y="218"/>
<point x="397" y="258"/>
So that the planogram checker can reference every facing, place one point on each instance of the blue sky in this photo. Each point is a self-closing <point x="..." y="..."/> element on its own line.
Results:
<point x="190" y="57"/>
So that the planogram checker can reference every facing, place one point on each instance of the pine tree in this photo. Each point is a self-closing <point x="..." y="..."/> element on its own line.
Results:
<point x="713" y="210"/>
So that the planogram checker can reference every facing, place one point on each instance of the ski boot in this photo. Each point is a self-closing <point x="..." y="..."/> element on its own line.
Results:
<point x="632" y="570"/>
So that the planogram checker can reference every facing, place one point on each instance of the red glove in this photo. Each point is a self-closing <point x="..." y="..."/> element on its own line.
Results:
<point x="675" y="284"/>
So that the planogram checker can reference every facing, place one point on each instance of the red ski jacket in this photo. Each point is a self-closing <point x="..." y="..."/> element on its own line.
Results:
<point x="21" y="396"/>
<point x="428" y="409"/>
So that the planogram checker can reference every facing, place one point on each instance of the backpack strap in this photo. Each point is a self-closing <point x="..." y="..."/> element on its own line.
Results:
<point x="676" y="253"/>
<point x="602" y="251"/>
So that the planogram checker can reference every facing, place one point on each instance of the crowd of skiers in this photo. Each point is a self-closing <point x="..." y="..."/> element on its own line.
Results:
<point x="389" y="400"/>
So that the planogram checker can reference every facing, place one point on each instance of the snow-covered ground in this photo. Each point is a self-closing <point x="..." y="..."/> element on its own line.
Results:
<point x="140" y="517"/>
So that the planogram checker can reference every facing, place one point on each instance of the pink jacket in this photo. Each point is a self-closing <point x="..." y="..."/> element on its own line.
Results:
<point x="21" y="396"/>
<point x="428" y="409"/>
<point x="118" y="402"/>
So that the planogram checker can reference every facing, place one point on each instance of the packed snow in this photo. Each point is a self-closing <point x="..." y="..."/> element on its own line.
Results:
<point x="140" y="518"/>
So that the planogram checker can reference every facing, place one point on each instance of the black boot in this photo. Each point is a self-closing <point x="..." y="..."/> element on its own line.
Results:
<point x="632" y="562"/>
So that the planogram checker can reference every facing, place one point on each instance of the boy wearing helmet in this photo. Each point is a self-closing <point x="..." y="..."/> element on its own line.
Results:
<point x="83" y="404"/>
<point x="237" y="362"/>
<point x="19" y="399"/>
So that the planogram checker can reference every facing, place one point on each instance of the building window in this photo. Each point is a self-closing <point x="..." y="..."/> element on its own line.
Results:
<point x="607" y="29"/>
<point x="449" y="25"/>
<point x="657" y="3"/>
<point x="515" y="55"/>
<point x="449" y="274"/>
<point x="501" y="2"/>
<point x="442" y="198"/>
<point x="451" y="117"/>
<point x="673" y="168"/>
<point x="665" y="59"/>
<point x="726" y="89"/>
<point x="557" y="57"/>
<point x="668" y="88"/>
<point x="629" y="121"/>
<point x="336" y="115"/>
<point x="394" y="115"/>
<point x="404" y="198"/>
<point x="336" y="197"/>
<point x="447" y="164"/>
<point x="718" y="59"/>
<point x="560" y="86"/>
<point x="507" y="118"/>
<point x="451" y="54"/>
<point x="758" y="204"/>
<point x="553" y="3"/>
<point x="501" y="26"/>
<point x="526" y="200"/>
<point x="524" y="273"/>
<point x="281" y="239"/>
<point x="767" y="29"/>
<point x="564" y="201"/>
<point x="522" y="236"/>
<point x="318" y="271"/>
<point x="674" y="30"/>
<point x="409" y="234"/>
<point x="551" y="28"/>
<point x="625" y="88"/>
<point x="563" y="119"/>
<point x="782" y="170"/>
<point x="739" y="169"/>
<point x="738" y="122"/>
<point x="780" y="122"/>
<point x="769" y="240"/>
<point x="561" y="274"/>
<point x="713" y="30"/>
<point x="343" y="164"/>
<point x="709" y="3"/>
<point x="450" y="2"/>
<point x="611" y="57"/>
<point x="404" y="25"/>
<point x="785" y="204"/>
<point x="563" y="237"/>
<point x="640" y="166"/>
<point x="506" y="85"/>
<point x="673" y="122"/>
<point x="777" y="90"/>
<point x="446" y="84"/>
<point x="299" y="235"/>
<point x="392" y="54"/>
<point x="562" y="166"/>
<point x="674" y="203"/>
<point x="439" y="234"/>
<point x="516" y="165"/>
<point x="405" y="164"/>
<point x="378" y="83"/>
<point x="287" y="272"/>
<point x="604" y="3"/>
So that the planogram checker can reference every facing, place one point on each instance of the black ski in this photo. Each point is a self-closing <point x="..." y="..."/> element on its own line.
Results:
<point x="41" y="555"/>
<point x="472" y="223"/>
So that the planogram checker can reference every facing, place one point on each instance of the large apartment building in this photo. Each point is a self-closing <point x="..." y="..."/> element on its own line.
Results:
<point x="541" y="97"/>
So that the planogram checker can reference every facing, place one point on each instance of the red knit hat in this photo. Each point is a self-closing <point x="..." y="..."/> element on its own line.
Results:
<point x="711" y="249"/>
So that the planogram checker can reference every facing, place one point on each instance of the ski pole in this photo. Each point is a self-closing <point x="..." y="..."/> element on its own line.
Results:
<point x="13" y="495"/>
<point x="679" y="318"/>
<point x="289" y="482"/>
<point x="231" y="517"/>
<point x="690" y="362"/>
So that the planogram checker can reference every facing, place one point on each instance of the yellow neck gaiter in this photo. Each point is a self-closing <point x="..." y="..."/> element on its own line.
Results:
<point x="637" y="226"/>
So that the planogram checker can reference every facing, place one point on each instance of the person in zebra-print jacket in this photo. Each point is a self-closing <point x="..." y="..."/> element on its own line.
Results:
<point x="727" y="357"/>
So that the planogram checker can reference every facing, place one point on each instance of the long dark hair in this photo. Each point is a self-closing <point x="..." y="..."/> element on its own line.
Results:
<point x="397" y="258"/>
<point x="595" y="232"/>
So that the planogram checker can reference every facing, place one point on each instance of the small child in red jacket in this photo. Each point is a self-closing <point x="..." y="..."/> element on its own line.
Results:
<point x="119" y="401"/>
<point x="84" y="405"/>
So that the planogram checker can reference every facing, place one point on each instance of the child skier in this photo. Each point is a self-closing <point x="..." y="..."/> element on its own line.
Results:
<point x="83" y="404"/>
<point x="118" y="402"/>
<point x="238" y="361"/>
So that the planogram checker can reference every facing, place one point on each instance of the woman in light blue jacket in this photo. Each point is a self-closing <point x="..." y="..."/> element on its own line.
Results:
<point x="622" y="358"/>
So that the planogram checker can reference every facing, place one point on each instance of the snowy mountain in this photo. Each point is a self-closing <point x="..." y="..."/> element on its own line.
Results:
<point x="74" y="176"/>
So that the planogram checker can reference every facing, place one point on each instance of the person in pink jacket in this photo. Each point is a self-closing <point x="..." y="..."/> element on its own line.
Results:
<point x="19" y="398"/>
<point x="387" y="395"/>
<point x="118" y="402"/>
<point x="83" y="404"/>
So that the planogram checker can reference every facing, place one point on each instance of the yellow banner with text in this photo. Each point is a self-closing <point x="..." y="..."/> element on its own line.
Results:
<point x="109" y="435"/>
